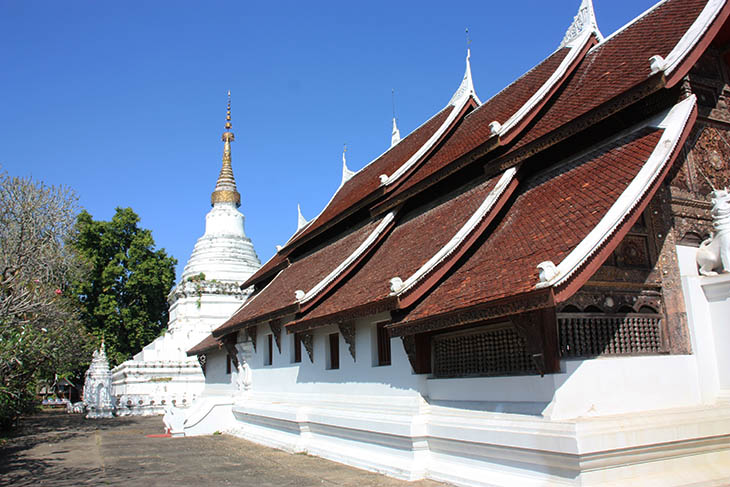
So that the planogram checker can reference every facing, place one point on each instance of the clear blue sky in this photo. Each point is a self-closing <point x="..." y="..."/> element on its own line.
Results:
<point x="125" y="101"/>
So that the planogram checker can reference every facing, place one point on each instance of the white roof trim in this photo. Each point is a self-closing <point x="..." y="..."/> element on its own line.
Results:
<point x="693" y="34"/>
<point x="673" y="122"/>
<point x="575" y="49"/>
<point x="366" y="244"/>
<point x="459" y="100"/>
<point x="462" y="234"/>
<point x="386" y="180"/>
<point x="583" y="22"/>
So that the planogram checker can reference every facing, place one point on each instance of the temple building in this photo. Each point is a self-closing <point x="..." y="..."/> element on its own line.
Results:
<point x="209" y="291"/>
<point x="529" y="290"/>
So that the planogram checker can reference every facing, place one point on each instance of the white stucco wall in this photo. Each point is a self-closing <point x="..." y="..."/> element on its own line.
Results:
<point x="582" y="426"/>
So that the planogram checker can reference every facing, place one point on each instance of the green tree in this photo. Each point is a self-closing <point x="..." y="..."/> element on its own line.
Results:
<point x="40" y="331"/>
<point x="125" y="298"/>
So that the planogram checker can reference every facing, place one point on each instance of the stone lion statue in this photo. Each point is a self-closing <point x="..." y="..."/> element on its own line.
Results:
<point x="713" y="255"/>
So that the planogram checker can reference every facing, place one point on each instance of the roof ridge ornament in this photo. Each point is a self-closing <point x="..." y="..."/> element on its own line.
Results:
<point x="301" y="221"/>
<point x="466" y="88"/>
<point x="225" y="188"/>
<point x="584" y="21"/>
<point x="657" y="63"/>
<point x="395" y="135"/>
<point x="346" y="172"/>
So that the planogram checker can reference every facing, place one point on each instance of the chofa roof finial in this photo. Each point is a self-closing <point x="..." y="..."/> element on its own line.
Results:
<point x="346" y="173"/>
<point x="584" y="21"/>
<point x="466" y="88"/>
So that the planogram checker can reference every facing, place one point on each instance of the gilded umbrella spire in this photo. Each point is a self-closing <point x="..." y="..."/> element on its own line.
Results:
<point x="225" y="188"/>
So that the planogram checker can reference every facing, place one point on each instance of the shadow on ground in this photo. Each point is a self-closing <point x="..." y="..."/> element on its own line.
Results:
<point x="56" y="436"/>
<point x="61" y="450"/>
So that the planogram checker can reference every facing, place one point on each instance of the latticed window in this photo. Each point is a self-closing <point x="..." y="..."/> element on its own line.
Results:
<point x="483" y="351"/>
<point x="594" y="334"/>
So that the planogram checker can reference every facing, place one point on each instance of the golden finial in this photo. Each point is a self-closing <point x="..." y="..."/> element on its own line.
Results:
<point x="225" y="188"/>
<point x="228" y="112"/>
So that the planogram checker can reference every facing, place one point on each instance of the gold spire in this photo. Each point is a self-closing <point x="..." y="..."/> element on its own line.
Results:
<point x="225" y="188"/>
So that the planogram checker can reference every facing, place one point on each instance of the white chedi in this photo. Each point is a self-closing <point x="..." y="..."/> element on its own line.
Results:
<point x="98" y="387"/>
<point x="162" y="375"/>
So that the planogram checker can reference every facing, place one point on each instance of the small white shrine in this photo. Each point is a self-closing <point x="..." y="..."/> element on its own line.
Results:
<point x="208" y="293"/>
<point x="98" y="387"/>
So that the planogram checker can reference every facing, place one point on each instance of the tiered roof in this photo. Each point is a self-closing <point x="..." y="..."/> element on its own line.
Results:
<point x="470" y="246"/>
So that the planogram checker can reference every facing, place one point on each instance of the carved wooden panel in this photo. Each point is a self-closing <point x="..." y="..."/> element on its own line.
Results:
<point x="614" y="298"/>
<point x="675" y="323"/>
<point x="633" y="251"/>
<point x="202" y="360"/>
<point x="347" y="330"/>
<point x="708" y="80"/>
<point x="642" y="275"/>
<point x="710" y="156"/>
<point x="308" y="342"/>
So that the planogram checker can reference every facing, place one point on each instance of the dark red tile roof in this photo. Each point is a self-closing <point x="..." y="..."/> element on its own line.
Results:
<point x="209" y="343"/>
<point x="302" y="274"/>
<point x="474" y="130"/>
<point x="416" y="238"/>
<point x="617" y="65"/>
<point x="367" y="180"/>
<point x="552" y="213"/>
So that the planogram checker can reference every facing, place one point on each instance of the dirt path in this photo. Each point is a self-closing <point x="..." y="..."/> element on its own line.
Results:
<point x="57" y="449"/>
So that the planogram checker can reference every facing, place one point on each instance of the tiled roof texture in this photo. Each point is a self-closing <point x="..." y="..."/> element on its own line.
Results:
<point x="302" y="274"/>
<point x="474" y="130"/>
<point x="277" y="260"/>
<point x="415" y="239"/>
<point x="209" y="343"/>
<point x="552" y="213"/>
<point x="617" y="65"/>
<point x="367" y="180"/>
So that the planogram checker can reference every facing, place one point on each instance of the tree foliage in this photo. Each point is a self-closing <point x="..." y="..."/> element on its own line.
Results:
<point x="40" y="331"/>
<point x="125" y="298"/>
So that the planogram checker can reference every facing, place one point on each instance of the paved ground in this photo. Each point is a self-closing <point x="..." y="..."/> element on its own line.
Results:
<point x="58" y="449"/>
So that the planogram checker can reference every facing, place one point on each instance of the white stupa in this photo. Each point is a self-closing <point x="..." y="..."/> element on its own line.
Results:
<point x="207" y="294"/>
<point x="98" y="387"/>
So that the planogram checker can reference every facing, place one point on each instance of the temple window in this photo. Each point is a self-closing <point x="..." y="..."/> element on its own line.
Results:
<point x="333" y="349"/>
<point x="269" y="351"/>
<point x="481" y="351"/>
<point x="296" y="348"/>
<point x="382" y="345"/>
<point x="228" y="364"/>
